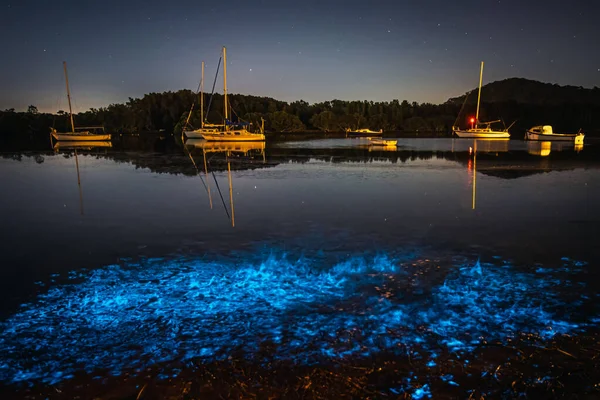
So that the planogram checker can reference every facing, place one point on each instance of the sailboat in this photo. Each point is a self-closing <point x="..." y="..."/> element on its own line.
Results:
<point x="89" y="133"/>
<point x="228" y="131"/>
<point x="480" y="129"/>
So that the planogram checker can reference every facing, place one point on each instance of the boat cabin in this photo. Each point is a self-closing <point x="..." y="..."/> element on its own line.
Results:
<point x="92" y="130"/>
<point x="542" y="130"/>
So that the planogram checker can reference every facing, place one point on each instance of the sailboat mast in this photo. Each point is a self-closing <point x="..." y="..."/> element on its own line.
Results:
<point x="202" y="97"/>
<point x="225" y="84"/>
<point x="479" y="95"/>
<point x="69" y="97"/>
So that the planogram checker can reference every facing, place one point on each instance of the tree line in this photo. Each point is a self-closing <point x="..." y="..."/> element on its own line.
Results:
<point x="169" y="112"/>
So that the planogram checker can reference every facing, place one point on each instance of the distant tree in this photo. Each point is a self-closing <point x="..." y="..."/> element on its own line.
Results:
<point x="281" y="121"/>
<point x="32" y="109"/>
<point x="325" y="121"/>
<point x="415" y="124"/>
<point x="254" y="119"/>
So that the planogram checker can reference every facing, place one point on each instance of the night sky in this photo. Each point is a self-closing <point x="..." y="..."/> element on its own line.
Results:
<point x="425" y="51"/>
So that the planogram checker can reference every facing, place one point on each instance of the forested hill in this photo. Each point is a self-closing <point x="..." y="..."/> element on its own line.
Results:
<point x="526" y="91"/>
<point x="527" y="102"/>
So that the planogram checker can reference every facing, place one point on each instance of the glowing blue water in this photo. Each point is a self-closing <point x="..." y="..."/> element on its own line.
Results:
<point x="129" y="317"/>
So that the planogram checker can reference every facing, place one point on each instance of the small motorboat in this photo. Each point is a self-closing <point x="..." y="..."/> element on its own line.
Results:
<point x="545" y="133"/>
<point x="381" y="142"/>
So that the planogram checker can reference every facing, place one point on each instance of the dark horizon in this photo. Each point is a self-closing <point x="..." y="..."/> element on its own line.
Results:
<point x="220" y="93"/>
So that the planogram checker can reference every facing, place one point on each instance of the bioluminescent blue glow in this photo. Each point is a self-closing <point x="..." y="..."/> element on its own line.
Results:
<point x="124" y="318"/>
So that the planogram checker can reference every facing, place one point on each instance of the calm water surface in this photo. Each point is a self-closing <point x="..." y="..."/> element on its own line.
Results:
<point x="139" y="266"/>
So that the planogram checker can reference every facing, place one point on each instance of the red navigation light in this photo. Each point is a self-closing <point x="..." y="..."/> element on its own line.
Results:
<point x="472" y="120"/>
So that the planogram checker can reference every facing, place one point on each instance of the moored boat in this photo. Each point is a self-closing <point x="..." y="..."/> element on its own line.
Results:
<point x="86" y="134"/>
<point x="481" y="130"/>
<point x="545" y="133"/>
<point x="228" y="131"/>
<point x="482" y="133"/>
<point x="381" y="142"/>
<point x="363" y="133"/>
<point x="90" y="133"/>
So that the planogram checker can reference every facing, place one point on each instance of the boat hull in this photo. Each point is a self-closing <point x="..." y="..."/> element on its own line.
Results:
<point x="555" y="137"/>
<point x="229" y="136"/>
<point x="80" y="137"/>
<point x="476" y="134"/>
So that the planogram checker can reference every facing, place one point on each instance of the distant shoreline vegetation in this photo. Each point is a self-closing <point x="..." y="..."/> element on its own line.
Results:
<point x="527" y="102"/>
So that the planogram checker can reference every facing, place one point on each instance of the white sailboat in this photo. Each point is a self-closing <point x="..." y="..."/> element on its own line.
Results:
<point x="228" y="131"/>
<point x="91" y="133"/>
<point x="481" y="130"/>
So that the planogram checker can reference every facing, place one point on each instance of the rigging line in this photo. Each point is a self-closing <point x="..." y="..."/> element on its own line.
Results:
<point x="213" y="89"/>
<point x="195" y="166"/>
<point x="463" y="106"/>
<point x="187" y="121"/>
<point x="220" y="194"/>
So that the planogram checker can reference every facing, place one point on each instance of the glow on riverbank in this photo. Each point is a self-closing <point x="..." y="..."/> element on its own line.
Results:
<point x="125" y="318"/>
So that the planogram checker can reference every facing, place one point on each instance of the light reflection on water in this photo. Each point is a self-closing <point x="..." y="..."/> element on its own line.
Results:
<point x="332" y="206"/>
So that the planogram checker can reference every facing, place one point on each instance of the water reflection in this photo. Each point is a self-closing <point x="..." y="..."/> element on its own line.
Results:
<point x="539" y="148"/>
<point x="227" y="149"/>
<point x="343" y="255"/>
<point x="82" y="145"/>
<point x="70" y="147"/>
